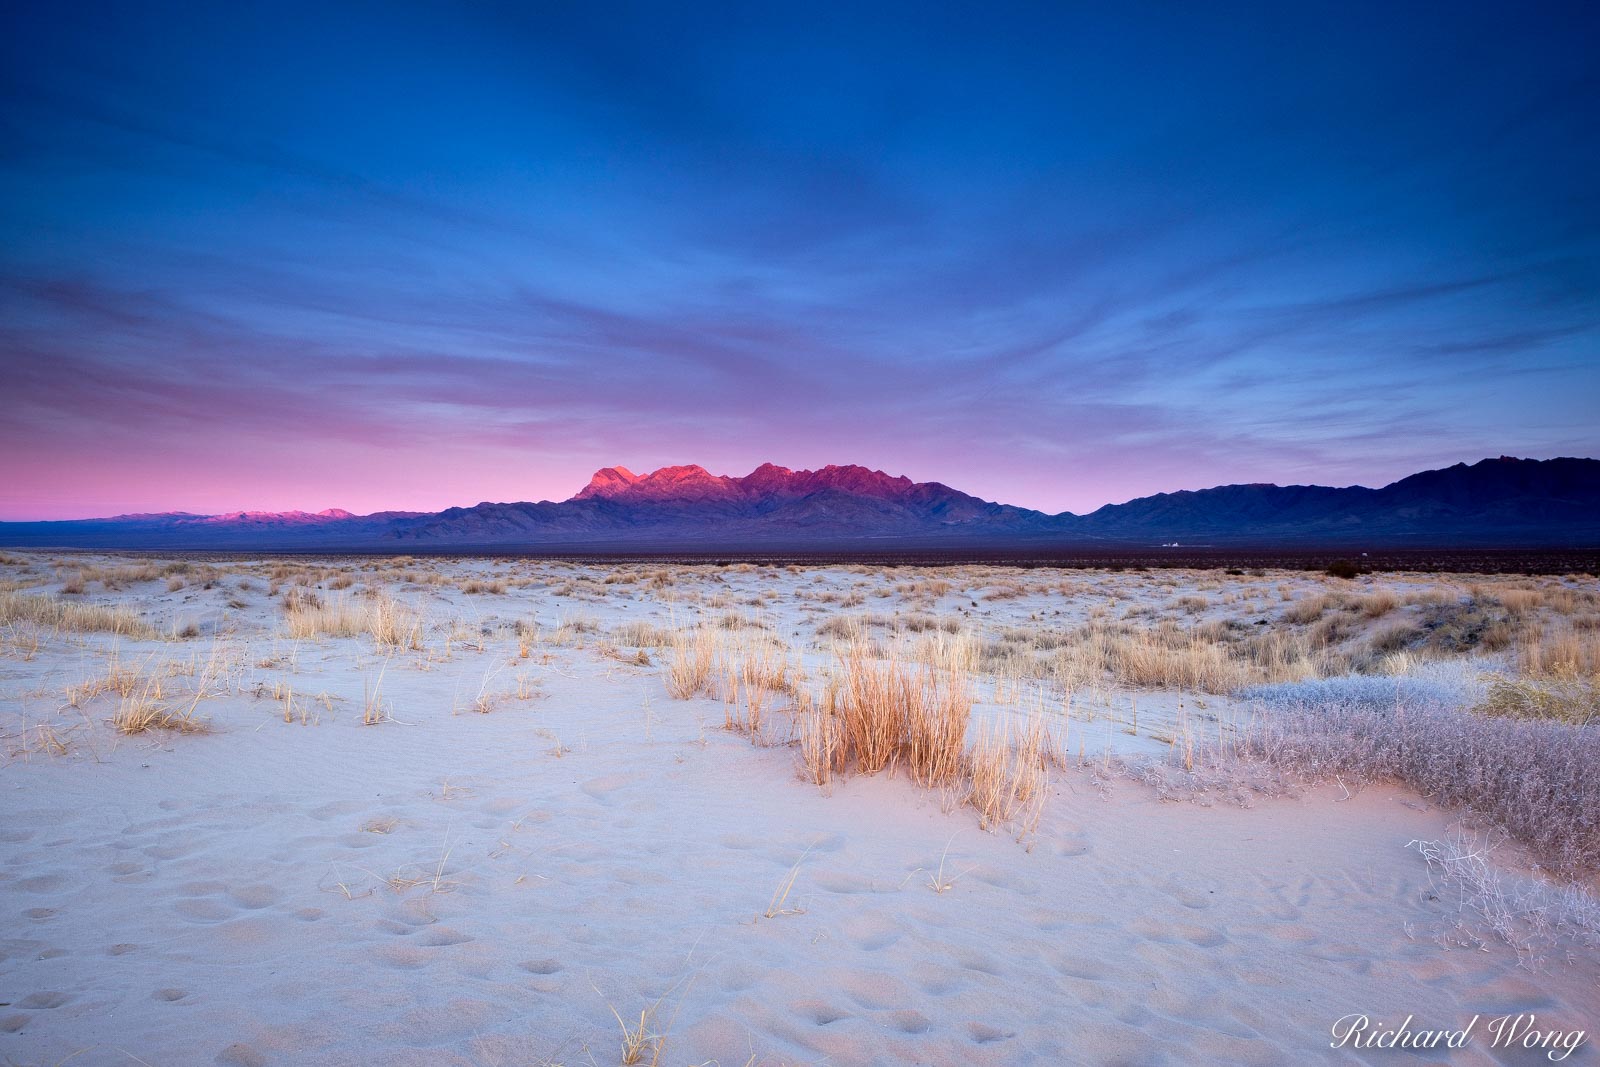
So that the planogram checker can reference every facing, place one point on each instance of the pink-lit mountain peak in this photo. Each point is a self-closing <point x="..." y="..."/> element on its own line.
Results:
<point x="694" y="482"/>
<point x="280" y="517"/>
<point x="691" y="482"/>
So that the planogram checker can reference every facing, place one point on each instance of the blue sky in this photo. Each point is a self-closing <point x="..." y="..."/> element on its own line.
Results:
<point x="411" y="256"/>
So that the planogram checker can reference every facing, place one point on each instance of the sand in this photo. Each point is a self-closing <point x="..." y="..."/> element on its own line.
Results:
<point x="450" y="887"/>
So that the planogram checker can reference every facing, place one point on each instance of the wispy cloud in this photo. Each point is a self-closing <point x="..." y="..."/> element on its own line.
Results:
<point x="486" y="252"/>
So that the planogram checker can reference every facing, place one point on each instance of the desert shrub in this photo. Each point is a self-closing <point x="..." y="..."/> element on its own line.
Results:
<point x="1394" y="638"/>
<point x="1532" y="778"/>
<point x="1470" y="624"/>
<point x="1344" y="568"/>
<point x="1368" y="692"/>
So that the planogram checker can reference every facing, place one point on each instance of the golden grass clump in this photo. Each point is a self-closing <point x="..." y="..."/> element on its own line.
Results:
<point x="1558" y="652"/>
<point x="1007" y="769"/>
<point x="1309" y="609"/>
<point x="389" y="622"/>
<point x="478" y="587"/>
<point x="907" y="708"/>
<point x="145" y="709"/>
<point x="689" y="667"/>
<point x="745" y="668"/>
<point x="1376" y="605"/>
<point x="640" y="634"/>
<point x="752" y="669"/>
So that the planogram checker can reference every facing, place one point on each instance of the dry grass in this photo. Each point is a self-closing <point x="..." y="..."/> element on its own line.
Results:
<point x="779" y="904"/>
<point x="1211" y="657"/>
<point x="374" y="708"/>
<point x="693" y="657"/>
<point x="56" y="614"/>
<point x="1531" y="916"/>
<point x="146" y="708"/>
<point x="1008" y="775"/>
<point x="909" y="708"/>
<point x="643" y="635"/>
<point x="1562" y="651"/>
<point x="747" y="669"/>
<point x="1376" y="605"/>
<point x="478" y="587"/>
<point x="117" y="678"/>
<point x="1570" y="700"/>
<point x="389" y="622"/>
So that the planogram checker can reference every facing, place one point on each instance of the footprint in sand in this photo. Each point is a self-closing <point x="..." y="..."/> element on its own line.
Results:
<point x="843" y="882"/>
<point x="601" y="789"/>
<point x="1190" y="895"/>
<point x="977" y="961"/>
<point x="403" y="957"/>
<point x="817" y="1012"/>
<point x="984" y="1034"/>
<point x="255" y="897"/>
<point x="826" y="842"/>
<point x="739" y="977"/>
<point x="908" y="1021"/>
<point x="939" y="981"/>
<point x="44" y="883"/>
<point x="871" y="933"/>
<point x="1081" y="967"/>
<point x="1003" y="879"/>
<point x="444" y="936"/>
<point x="240" y="1056"/>
<point x="203" y="910"/>
<point x="43" y="1001"/>
<point x="541" y="966"/>
<point x="334" y="810"/>
<point x="876" y="991"/>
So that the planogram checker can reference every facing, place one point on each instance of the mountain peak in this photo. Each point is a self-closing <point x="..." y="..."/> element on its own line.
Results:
<point x="607" y="481"/>
<point x="693" y="482"/>
<point x="686" y="482"/>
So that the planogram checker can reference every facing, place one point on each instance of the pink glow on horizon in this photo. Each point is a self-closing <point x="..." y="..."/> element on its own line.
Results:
<point x="365" y="480"/>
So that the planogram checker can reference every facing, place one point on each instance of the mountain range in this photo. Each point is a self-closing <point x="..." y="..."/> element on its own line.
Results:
<point x="1504" y="502"/>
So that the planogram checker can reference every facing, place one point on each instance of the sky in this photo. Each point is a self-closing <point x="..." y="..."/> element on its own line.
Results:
<point x="400" y="256"/>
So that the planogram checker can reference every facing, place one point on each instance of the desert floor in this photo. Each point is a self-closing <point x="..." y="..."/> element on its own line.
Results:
<point x="451" y="812"/>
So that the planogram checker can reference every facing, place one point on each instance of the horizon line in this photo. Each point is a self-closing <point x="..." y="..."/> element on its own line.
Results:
<point x="616" y="466"/>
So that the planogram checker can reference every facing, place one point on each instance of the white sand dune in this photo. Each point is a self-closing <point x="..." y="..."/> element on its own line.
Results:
<point x="490" y="888"/>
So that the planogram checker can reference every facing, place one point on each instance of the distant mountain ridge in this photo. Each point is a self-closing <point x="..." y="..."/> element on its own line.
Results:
<point x="1505" y="502"/>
